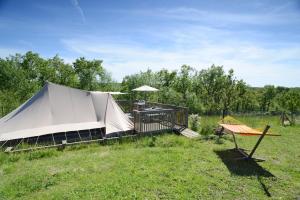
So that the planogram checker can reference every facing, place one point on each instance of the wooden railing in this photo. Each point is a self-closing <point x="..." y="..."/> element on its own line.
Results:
<point x="162" y="117"/>
<point x="154" y="120"/>
<point x="180" y="113"/>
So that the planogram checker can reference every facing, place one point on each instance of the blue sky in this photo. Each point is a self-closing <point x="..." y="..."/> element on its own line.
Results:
<point x="260" y="40"/>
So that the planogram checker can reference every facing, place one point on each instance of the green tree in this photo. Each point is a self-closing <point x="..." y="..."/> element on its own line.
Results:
<point x="290" y="101"/>
<point x="23" y="75"/>
<point x="241" y="90"/>
<point x="91" y="74"/>
<point x="183" y="83"/>
<point x="267" y="96"/>
<point x="64" y="73"/>
<point x="209" y="85"/>
<point x="228" y="92"/>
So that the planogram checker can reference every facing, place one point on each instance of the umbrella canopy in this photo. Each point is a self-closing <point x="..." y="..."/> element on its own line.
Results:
<point x="145" y="88"/>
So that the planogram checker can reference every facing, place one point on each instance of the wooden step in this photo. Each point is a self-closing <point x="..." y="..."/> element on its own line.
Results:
<point x="189" y="133"/>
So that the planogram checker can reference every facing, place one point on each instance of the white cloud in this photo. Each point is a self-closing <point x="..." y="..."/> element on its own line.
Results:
<point x="256" y="64"/>
<point x="265" y="15"/>
<point x="76" y="5"/>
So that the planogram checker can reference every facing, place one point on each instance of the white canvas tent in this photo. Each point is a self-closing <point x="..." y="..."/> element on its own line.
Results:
<point x="57" y="108"/>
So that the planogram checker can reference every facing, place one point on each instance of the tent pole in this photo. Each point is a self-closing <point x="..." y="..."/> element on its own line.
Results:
<point x="79" y="136"/>
<point x="53" y="139"/>
<point x="90" y="134"/>
<point x="36" y="140"/>
<point x="106" y="109"/>
<point x="101" y="133"/>
<point x="19" y="143"/>
<point x="4" y="143"/>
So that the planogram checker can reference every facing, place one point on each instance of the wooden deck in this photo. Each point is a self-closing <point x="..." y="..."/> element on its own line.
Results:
<point x="155" y="117"/>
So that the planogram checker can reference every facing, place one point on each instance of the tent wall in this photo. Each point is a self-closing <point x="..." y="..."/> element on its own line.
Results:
<point x="100" y="108"/>
<point x="34" y="113"/>
<point x="116" y="120"/>
<point x="70" y="105"/>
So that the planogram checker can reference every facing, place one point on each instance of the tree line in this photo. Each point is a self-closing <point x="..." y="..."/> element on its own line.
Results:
<point x="214" y="91"/>
<point x="206" y="91"/>
<point x="21" y="76"/>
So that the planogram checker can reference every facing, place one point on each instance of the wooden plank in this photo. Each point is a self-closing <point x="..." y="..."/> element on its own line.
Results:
<point x="8" y="149"/>
<point x="189" y="133"/>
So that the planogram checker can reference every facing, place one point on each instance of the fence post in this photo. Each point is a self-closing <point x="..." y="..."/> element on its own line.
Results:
<point x="173" y="118"/>
<point x="134" y="120"/>
<point x="140" y="125"/>
<point x="186" y="117"/>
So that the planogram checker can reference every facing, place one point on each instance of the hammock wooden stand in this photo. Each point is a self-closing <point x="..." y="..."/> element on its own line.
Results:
<point x="245" y="131"/>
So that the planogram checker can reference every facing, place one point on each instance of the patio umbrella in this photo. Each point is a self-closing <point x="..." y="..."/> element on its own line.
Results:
<point x="145" y="88"/>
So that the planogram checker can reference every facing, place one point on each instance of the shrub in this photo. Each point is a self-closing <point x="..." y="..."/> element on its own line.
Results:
<point x="207" y="130"/>
<point x="195" y="122"/>
<point x="152" y="142"/>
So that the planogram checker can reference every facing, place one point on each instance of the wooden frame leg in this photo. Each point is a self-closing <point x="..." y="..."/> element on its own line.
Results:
<point x="245" y="155"/>
<point x="234" y="139"/>
<point x="258" y="141"/>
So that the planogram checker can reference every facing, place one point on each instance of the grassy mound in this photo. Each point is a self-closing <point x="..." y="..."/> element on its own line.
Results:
<point x="230" y="120"/>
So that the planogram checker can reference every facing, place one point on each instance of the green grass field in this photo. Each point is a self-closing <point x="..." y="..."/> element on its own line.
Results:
<point x="169" y="167"/>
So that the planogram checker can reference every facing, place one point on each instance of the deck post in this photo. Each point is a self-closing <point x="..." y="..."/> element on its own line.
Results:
<point x="259" y="140"/>
<point x="186" y="117"/>
<point x="134" y="121"/>
<point x="173" y="120"/>
<point x="140" y="125"/>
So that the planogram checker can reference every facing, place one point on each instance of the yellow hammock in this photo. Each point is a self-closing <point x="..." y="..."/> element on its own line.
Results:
<point x="244" y="130"/>
<point x="233" y="126"/>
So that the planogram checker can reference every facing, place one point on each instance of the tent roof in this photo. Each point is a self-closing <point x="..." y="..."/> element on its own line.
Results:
<point x="145" y="88"/>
